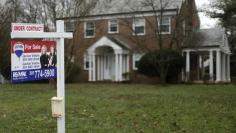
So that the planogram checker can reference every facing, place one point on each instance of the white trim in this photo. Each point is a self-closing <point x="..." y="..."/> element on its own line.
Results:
<point x="228" y="68"/>
<point x="169" y="23"/>
<point x="211" y="66"/>
<point x="187" y="61"/>
<point x="85" y="27"/>
<point x="104" y="41"/>
<point x="120" y="67"/>
<point x="223" y="72"/>
<point x="143" y="21"/>
<point x="109" y="26"/>
<point x="128" y="65"/>
<point x="90" y="69"/>
<point x="98" y="68"/>
<point x="218" y="66"/>
<point x="206" y="49"/>
<point x="102" y="67"/>
<point x="116" y="67"/>
<point x="94" y="67"/>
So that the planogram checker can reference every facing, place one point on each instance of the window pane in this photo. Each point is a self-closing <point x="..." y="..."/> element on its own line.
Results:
<point x="165" y="21"/>
<point x="113" y="29"/>
<point x="90" y="25"/>
<point x="89" y="32"/>
<point x="70" y="26"/>
<point x="113" y="25"/>
<point x="90" y="29"/>
<point x="87" y="65"/>
<point x="113" y="22"/>
<point x="139" y="22"/>
<point x="139" y="30"/>
<point x="139" y="26"/>
<point x="164" y="28"/>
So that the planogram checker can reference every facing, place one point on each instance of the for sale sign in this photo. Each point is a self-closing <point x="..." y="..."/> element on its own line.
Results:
<point x="33" y="60"/>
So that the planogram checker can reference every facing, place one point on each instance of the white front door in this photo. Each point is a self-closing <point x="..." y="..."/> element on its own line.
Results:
<point x="107" y="65"/>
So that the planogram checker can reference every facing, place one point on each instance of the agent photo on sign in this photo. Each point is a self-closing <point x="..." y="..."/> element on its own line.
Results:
<point x="52" y="57"/>
<point x="44" y="58"/>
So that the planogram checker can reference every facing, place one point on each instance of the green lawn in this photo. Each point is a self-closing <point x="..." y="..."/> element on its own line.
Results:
<point x="121" y="108"/>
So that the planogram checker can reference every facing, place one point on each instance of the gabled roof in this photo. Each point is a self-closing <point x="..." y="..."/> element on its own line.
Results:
<point x="116" y="42"/>
<point x="111" y="42"/>
<point x="126" y="6"/>
<point x="209" y="38"/>
<point x="119" y="42"/>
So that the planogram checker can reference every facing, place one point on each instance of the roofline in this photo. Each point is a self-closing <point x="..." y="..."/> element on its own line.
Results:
<point x="196" y="47"/>
<point x="114" y="14"/>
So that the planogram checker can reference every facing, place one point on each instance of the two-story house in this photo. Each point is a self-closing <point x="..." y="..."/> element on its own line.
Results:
<point x="111" y="39"/>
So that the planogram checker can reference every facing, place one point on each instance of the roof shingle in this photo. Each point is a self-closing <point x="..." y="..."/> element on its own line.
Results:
<point x="126" y="6"/>
<point x="207" y="38"/>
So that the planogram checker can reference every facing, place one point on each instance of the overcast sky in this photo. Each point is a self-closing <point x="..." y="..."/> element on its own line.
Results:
<point x="206" y="22"/>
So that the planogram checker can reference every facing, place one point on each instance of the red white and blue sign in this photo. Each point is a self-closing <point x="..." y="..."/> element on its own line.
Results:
<point x="33" y="60"/>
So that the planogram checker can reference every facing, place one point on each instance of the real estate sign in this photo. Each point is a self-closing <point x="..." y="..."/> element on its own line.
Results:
<point x="25" y="27"/>
<point x="33" y="60"/>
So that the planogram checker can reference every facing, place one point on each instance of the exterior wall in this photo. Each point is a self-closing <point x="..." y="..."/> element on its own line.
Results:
<point x="148" y="41"/>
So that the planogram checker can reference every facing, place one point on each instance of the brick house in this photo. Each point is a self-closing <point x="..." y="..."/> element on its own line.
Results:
<point x="112" y="38"/>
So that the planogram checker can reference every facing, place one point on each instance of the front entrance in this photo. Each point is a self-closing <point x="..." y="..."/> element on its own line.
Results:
<point x="109" y="61"/>
<point x="107" y="73"/>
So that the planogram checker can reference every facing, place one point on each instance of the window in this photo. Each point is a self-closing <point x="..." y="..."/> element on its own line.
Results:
<point x="139" y="26"/>
<point x="89" y="29"/>
<point x="70" y="26"/>
<point x="86" y="62"/>
<point x="113" y="26"/>
<point x="136" y="59"/>
<point x="164" y="25"/>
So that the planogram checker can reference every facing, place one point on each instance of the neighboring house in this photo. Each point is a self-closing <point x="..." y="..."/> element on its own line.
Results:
<point x="207" y="56"/>
<point x="116" y="34"/>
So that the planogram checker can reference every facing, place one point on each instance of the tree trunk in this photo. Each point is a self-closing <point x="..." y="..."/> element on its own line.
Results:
<point x="162" y="76"/>
<point x="162" y="71"/>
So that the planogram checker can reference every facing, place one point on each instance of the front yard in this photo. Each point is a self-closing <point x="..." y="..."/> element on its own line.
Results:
<point x="121" y="108"/>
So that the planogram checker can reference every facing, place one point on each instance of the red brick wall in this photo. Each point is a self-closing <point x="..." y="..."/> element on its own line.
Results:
<point x="148" y="41"/>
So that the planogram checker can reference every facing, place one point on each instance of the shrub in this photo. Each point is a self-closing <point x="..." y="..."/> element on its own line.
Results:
<point x="73" y="73"/>
<point x="171" y="61"/>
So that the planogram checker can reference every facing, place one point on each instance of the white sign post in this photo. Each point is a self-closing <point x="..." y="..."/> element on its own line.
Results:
<point x="60" y="35"/>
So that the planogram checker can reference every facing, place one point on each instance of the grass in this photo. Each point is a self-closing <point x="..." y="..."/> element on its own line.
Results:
<point x="120" y="108"/>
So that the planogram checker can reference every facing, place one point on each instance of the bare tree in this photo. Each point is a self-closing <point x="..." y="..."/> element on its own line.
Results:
<point x="175" y="39"/>
<point x="39" y="11"/>
<point x="7" y="15"/>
